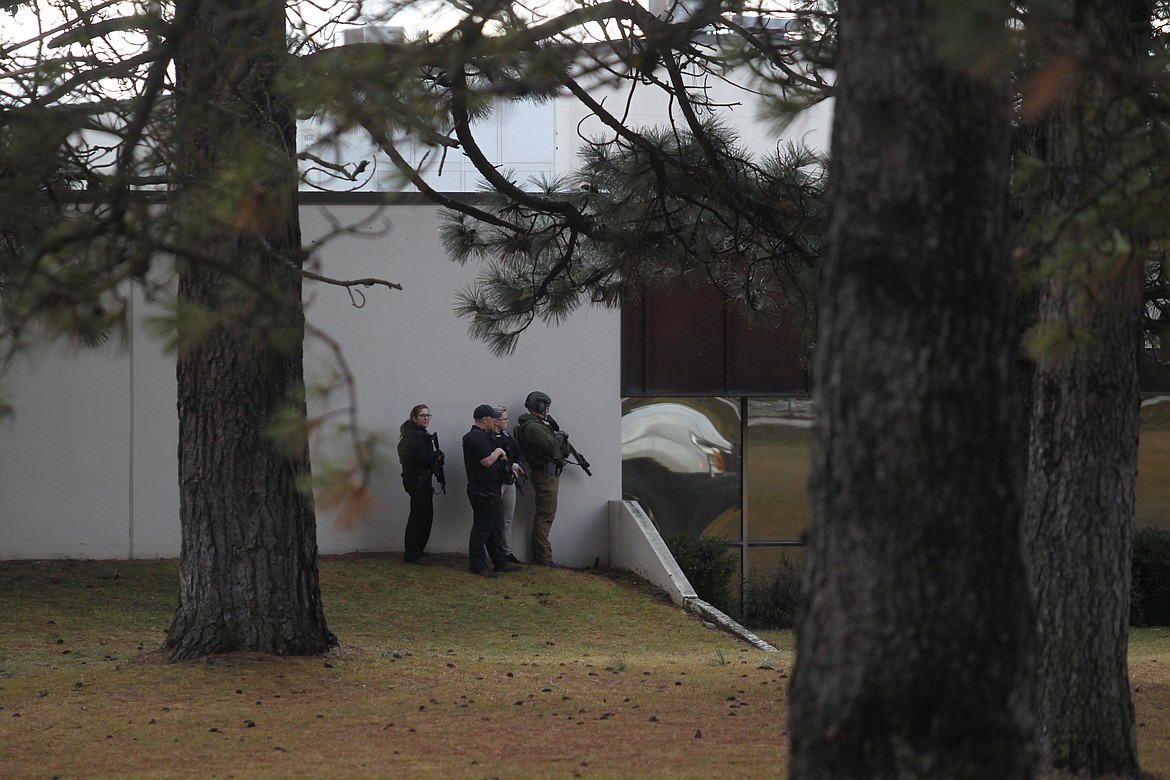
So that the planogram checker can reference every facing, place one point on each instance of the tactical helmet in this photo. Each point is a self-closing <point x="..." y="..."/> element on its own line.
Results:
<point x="537" y="400"/>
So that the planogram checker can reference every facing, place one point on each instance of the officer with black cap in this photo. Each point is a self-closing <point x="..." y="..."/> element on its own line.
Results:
<point x="486" y="464"/>
<point x="545" y="448"/>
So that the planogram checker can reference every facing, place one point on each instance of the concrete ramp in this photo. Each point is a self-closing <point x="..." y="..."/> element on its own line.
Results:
<point x="636" y="545"/>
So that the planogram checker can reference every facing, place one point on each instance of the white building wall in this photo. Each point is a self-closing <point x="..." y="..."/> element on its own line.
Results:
<point x="88" y="466"/>
<point x="408" y="347"/>
<point x="64" y="466"/>
<point x="153" y="523"/>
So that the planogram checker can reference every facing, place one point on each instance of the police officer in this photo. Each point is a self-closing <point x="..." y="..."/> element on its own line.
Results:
<point x="546" y="450"/>
<point x="486" y="466"/>
<point x="420" y="457"/>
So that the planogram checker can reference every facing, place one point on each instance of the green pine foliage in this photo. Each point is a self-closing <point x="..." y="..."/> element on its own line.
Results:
<point x="643" y="212"/>
<point x="1081" y="239"/>
<point x="58" y="277"/>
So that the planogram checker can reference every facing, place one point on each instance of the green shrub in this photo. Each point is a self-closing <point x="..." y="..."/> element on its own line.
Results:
<point x="709" y="565"/>
<point x="1149" y="591"/>
<point x="771" y="603"/>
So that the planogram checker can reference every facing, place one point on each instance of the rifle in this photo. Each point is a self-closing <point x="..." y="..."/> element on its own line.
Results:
<point x="580" y="459"/>
<point x="584" y="464"/>
<point x="522" y="478"/>
<point x="504" y="464"/>
<point x="437" y="467"/>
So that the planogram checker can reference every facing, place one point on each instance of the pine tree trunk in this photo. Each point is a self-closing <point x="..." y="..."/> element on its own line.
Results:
<point x="1082" y="465"/>
<point x="248" y="568"/>
<point x="1082" y="473"/>
<point x="913" y="642"/>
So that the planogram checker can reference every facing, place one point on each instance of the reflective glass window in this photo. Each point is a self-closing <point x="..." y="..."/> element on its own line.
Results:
<point x="776" y="468"/>
<point x="682" y="461"/>
<point x="1153" y="488"/>
<point x="765" y="564"/>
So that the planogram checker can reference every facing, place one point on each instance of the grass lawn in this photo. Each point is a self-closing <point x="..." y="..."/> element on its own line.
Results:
<point x="441" y="674"/>
<point x="1149" y="679"/>
<point x="532" y="675"/>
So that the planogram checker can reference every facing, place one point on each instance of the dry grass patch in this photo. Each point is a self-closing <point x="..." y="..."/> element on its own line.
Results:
<point x="441" y="674"/>
<point x="534" y="675"/>
<point x="1149" y="676"/>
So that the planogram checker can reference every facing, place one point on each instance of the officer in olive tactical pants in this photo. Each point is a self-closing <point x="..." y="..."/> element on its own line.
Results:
<point x="545" y="449"/>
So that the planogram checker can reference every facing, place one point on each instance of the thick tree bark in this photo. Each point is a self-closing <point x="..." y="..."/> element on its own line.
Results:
<point x="913" y="642"/>
<point x="248" y="568"/>
<point x="1081" y="481"/>
<point x="1082" y="464"/>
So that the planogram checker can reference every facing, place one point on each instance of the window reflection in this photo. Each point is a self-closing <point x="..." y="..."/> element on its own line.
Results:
<point x="737" y="469"/>
<point x="681" y="460"/>
<point x="1153" y="489"/>
<point x="776" y="468"/>
<point x="687" y="462"/>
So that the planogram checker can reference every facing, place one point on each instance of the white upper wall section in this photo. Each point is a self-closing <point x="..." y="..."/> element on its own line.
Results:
<point x="542" y="140"/>
<point x="518" y="136"/>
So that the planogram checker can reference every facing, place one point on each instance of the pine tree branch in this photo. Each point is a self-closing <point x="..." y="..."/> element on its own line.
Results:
<point x="771" y="54"/>
<point x="462" y="126"/>
<point x="350" y="283"/>
<point x="391" y="150"/>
